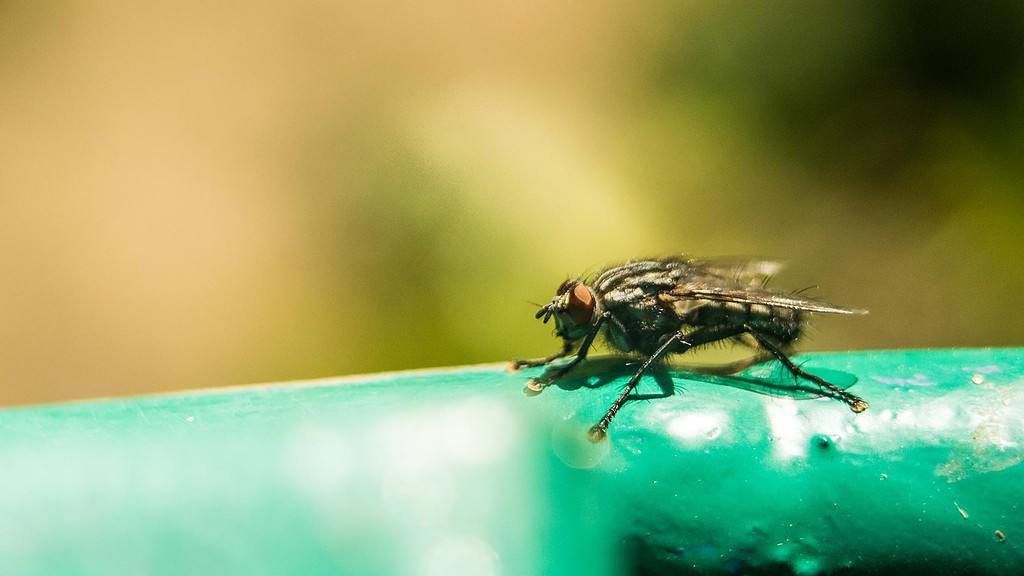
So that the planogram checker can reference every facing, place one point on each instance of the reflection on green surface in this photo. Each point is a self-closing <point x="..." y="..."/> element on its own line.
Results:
<point x="458" y="472"/>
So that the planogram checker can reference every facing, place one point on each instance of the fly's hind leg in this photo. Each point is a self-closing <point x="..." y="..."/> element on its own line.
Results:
<point x="856" y="403"/>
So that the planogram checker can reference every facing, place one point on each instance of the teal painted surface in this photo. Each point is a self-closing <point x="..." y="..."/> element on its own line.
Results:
<point x="458" y="472"/>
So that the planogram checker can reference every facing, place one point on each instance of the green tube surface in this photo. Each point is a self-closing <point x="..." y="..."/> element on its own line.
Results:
<point x="458" y="472"/>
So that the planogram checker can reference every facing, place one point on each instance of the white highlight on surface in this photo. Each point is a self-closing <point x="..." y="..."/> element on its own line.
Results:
<point x="470" y="432"/>
<point x="936" y="421"/>
<point x="939" y="417"/>
<point x="789" y="435"/>
<point x="906" y="419"/>
<point x="465" y="556"/>
<point x="698" y="427"/>
<point x="422" y="452"/>
<point x="319" y="462"/>
<point x="986" y="369"/>
<point x="478" y="432"/>
<point x="930" y="417"/>
<point x="831" y="423"/>
<point x="570" y="443"/>
<point x="916" y="380"/>
<point x="994" y="433"/>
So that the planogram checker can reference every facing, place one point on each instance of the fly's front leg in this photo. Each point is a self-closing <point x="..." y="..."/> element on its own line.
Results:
<point x="537" y="385"/>
<point x="677" y="343"/>
<point x="567" y="346"/>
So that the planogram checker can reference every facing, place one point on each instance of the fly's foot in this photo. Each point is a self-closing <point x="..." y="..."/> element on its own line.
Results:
<point x="858" y="405"/>
<point x="597" y="434"/>
<point x="536" y="386"/>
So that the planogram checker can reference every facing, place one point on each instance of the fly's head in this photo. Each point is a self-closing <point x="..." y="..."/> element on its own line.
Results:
<point x="573" y="308"/>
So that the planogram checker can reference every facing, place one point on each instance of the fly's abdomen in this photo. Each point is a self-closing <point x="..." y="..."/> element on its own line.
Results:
<point x="783" y="324"/>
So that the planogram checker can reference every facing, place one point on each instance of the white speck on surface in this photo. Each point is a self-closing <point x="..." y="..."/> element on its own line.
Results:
<point x="978" y="379"/>
<point x="960" y="510"/>
<point x="190" y="419"/>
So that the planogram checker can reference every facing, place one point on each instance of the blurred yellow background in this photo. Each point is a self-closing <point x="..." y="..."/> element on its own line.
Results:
<point x="197" y="194"/>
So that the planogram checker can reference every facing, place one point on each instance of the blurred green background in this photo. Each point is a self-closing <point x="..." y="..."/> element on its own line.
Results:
<point x="197" y="194"/>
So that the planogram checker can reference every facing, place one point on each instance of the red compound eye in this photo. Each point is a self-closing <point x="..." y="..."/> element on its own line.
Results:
<point x="581" y="305"/>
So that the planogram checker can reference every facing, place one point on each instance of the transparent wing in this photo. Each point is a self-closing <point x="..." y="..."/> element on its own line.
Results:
<point x="743" y="270"/>
<point x="757" y="295"/>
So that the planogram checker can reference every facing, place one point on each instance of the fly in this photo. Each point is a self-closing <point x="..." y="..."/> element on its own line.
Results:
<point x="664" y="306"/>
